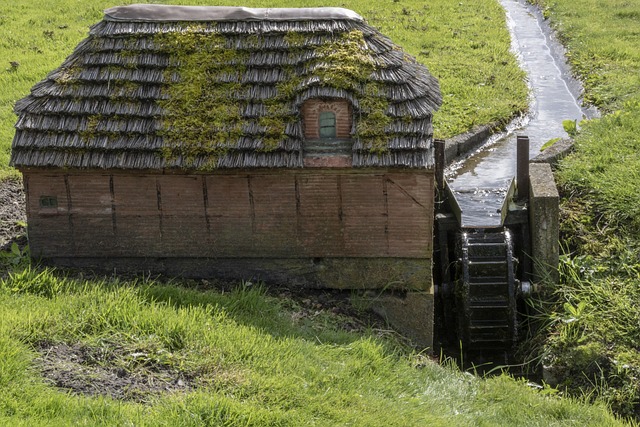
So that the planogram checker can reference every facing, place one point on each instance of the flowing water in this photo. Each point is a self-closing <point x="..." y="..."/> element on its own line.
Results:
<point x="480" y="182"/>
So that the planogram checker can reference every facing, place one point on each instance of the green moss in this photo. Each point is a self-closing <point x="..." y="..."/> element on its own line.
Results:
<point x="295" y="39"/>
<point x="252" y="42"/>
<point x="203" y="112"/>
<point x="124" y="88"/>
<point x="203" y="109"/>
<point x="95" y="129"/>
<point x="129" y="58"/>
<point x="68" y="76"/>
<point x="129" y="44"/>
<point x="373" y="120"/>
<point x="276" y="119"/>
<point x="91" y="130"/>
<point x="275" y="125"/>
<point x="287" y="89"/>
<point x="348" y="65"/>
<point x="345" y="63"/>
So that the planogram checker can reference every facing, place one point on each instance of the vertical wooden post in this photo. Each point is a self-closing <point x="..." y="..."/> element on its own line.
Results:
<point x="439" y="160"/>
<point x="439" y="172"/>
<point x="522" y="168"/>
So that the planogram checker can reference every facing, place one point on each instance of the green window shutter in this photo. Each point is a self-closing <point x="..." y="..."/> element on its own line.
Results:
<point x="327" y="121"/>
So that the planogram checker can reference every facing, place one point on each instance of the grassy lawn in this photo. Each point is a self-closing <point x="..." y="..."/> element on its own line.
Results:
<point x="465" y="45"/>
<point x="592" y="318"/>
<point x="152" y="354"/>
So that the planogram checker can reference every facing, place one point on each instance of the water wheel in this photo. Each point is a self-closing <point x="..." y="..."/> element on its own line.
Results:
<point x="485" y="290"/>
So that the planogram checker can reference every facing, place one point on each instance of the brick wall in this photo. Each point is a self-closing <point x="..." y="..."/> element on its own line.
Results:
<point x="312" y="108"/>
<point x="260" y="214"/>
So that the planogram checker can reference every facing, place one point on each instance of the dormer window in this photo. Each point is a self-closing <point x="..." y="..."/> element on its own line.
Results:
<point x="327" y="124"/>
<point x="327" y="118"/>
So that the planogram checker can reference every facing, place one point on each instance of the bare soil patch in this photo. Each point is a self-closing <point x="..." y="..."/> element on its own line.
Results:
<point x="125" y="372"/>
<point x="103" y="371"/>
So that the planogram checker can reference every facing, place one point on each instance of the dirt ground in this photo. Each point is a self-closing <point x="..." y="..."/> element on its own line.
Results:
<point x="110" y="369"/>
<point x="12" y="213"/>
<point x="94" y="371"/>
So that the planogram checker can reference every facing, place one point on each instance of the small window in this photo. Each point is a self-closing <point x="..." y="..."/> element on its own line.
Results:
<point x="327" y="121"/>
<point x="48" y="202"/>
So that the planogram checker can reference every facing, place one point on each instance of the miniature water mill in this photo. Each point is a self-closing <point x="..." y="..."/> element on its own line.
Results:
<point x="481" y="260"/>
<point x="104" y="200"/>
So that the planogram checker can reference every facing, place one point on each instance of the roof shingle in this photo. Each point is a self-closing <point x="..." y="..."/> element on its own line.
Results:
<point x="156" y="87"/>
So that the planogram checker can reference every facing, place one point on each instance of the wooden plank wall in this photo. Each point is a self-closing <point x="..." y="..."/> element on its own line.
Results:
<point x="266" y="214"/>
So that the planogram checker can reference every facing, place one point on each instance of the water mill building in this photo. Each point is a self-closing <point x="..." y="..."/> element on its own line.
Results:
<point x="292" y="146"/>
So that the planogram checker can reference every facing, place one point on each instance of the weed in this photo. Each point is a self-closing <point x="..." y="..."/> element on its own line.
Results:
<point x="570" y="127"/>
<point x="15" y="256"/>
<point x="549" y="143"/>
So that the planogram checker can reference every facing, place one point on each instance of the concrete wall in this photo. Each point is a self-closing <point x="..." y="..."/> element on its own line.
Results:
<point x="463" y="144"/>
<point x="544" y="214"/>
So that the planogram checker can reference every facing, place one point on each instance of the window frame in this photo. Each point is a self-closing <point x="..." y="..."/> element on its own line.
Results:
<point x="48" y="202"/>
<point x="323" y="118"/>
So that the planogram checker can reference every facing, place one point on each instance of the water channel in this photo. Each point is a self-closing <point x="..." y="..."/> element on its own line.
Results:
<point x="480" y="181"/>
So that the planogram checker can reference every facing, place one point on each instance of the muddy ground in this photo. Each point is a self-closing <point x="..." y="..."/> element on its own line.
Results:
<point x="108" y="371"/>
<point x="141" y="375"/>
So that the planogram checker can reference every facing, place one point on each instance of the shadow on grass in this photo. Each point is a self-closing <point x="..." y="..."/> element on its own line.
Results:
<point x="321" y="316"/>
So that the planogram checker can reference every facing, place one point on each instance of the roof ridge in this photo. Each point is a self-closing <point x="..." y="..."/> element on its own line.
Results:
<point x="171" y="13"/>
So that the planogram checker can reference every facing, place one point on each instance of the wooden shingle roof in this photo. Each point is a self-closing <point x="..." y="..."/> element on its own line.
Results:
<point x="156" y="87"/>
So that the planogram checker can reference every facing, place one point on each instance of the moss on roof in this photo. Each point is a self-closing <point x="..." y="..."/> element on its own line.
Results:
<point x="224" y="93"/>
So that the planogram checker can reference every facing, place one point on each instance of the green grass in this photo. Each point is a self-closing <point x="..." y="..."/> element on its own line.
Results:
<point x="466" y="45"/>
<point x="603" y="46"/>
<point x="251" y="359"/>
<point x="592" y="318"/>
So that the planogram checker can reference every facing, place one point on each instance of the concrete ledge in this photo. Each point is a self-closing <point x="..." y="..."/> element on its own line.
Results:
<point x="555" y="153"/>
<point x="332" y="273"/>
<point x="411" y="315"/>
<point x="466" y="142"/>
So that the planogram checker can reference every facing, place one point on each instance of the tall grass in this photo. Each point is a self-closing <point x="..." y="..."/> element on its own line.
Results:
<point x="607" y="164"/>
<point x="274" y="371"/>
<point x="466" y="45"/>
